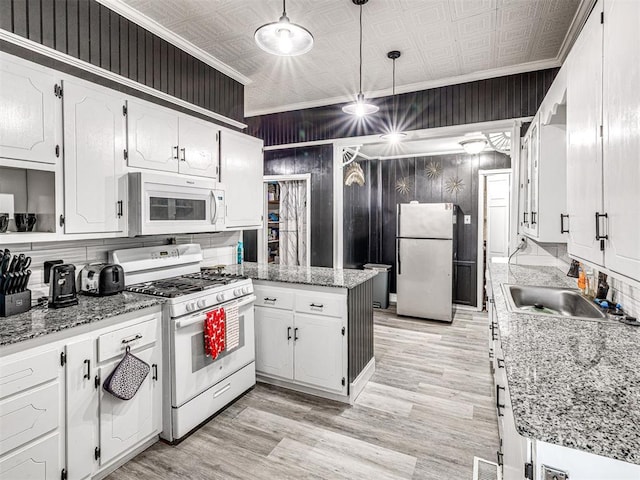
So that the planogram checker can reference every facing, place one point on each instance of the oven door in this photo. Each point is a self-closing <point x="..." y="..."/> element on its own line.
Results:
<point x="192" y="371"/>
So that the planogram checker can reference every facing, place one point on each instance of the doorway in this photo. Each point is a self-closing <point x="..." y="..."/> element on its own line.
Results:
<point x="285" y="238"/>
<point x="494" y="208"/>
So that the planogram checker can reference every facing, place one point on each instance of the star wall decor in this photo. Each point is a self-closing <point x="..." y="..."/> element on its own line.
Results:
<point x="433" y="170"/>
<point x="454" y="185"/>
<point x="403" y="186"/>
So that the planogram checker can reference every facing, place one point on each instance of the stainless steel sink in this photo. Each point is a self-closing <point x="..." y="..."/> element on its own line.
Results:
<point x="558" y="302"/>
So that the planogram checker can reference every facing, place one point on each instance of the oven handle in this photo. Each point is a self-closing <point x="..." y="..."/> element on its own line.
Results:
<point x="216" y="206"/>
<point x="199" y="317"/>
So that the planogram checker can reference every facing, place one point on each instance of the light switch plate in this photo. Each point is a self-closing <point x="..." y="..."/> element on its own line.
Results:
<point x="467" y="219"/>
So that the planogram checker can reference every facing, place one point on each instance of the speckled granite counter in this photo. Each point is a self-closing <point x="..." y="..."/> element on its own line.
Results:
<point x="320" y="276"/>
<point x="43" y="321"/>
<point x="574" y="383"/>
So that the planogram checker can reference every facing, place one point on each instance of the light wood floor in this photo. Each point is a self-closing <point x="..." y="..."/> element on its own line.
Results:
<point x="425" y="414"/>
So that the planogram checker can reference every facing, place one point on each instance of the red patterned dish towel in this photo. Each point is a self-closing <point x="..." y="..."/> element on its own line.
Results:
<point x="214" y="333"/>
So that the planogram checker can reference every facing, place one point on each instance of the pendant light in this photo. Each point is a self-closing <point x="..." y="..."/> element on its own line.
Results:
<point x="360" y="107"/>
<point x="394" y="136"/>
<point x="284" y="38"/>
<point x="474" y="145"/>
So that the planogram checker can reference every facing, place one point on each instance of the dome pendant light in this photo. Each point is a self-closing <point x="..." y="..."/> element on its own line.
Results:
<point x="284" y="38"/>
<point x="394" y="136"/>
<point x="360" y="107"/>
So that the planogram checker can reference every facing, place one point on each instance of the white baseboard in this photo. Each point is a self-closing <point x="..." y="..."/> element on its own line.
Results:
<point x="361" y="380"/>
<point x="301" y="388"/>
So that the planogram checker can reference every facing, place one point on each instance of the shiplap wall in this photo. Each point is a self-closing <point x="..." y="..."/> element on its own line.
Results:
<point x="91" y="32"/>
<point x="511" y="96"/>
<point x="217" y="248"/>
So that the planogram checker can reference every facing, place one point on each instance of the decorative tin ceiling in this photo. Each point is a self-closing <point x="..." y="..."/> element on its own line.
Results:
<point x="439" y="39"/>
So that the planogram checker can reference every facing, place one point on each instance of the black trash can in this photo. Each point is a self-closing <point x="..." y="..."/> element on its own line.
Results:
<point x="380" y="284"/>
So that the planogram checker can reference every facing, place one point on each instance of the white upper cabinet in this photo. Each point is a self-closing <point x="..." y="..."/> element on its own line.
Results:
<point x="152" y="135"/>
<point x="162" y="139"/>
<point x="29" y="112"/>
<point x="94" y="133"/>
<point x="198" y="147"/>
<point x="242" y="171"/>
<point x="621" y="136"/>
<point x="584" y="147"/>
<point x="603" y="125"/>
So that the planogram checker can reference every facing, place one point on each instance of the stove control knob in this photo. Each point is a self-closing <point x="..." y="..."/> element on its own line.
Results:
<point x="190" y="307"/>
<point x="237" y="292"/>
<point x="202" y="303"/>
<point x="245" y="290"/>
<point x="220" y="297"/>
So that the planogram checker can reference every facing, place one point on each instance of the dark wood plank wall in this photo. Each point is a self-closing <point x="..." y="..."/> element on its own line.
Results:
<point x="360" y="326"/>
<point x="510" y="96"/>
<point x="91" y="32"/>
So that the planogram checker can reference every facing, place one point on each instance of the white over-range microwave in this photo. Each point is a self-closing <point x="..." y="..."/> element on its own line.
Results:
<point x="165" y="203"/>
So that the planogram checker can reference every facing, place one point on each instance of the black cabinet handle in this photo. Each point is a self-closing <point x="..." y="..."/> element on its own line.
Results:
<point x="119" y="208"/>
<point x="524" y="217"/>
<point x="533" y="218"/>
<point x="598" y="236"/>
<point x="562" y="217"/>
<point x="499" y="405"/>
<point x="500" y="456"/>
<point x="494" y="334"/>
<point x="96" y="382"/>
<point x="288" y="333"/>
<point x="184" y="155"/>
<point x="295" y="334"/>
<point x="176" y="154"/>
<point x="267" y="299"/>
<point x="88" y="374"/>
<point x="132" y="339"/>
<point x="313" y="305"/>
<point x="500" y="360"/>
<point x="155" y="371"/>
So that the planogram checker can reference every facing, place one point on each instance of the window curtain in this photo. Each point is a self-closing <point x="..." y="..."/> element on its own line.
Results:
<point x="293" y="223"/>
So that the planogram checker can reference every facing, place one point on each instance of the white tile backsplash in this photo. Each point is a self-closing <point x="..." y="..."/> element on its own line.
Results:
<point x="547" y="254"/>
<point x="625" y="294"/>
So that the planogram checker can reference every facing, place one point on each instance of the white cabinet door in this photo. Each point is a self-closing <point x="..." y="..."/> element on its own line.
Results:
<point x="41" y="461"/>
<point x="523" y="212"/>
<point x="124" y="424"/>
<point x="94" y="133"/>
<point x="498" y="188"/>
<point x="274" y="342"/>
<point x="621" y="157"/>
<point x="242" y="171"/>
<point x="198" y="147"/>
<point x="534" y="150"/>
<point x="152" y="136"/>
<point x="584" y="148"/>
<point x="29" y="113"/>
<point x="81" y="408"/>
<point x="319" y="351"/>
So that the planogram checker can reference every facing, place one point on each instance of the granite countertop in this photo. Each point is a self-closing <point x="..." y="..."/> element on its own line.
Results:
<point x="321" y="276"/>
<point x="41" y="321"/>
<point x="572" y="382"/>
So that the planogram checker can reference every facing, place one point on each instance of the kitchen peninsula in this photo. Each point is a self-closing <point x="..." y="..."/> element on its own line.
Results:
<point x="314" y="327"/>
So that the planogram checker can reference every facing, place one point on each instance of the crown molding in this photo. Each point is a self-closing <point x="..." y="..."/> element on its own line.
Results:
<point x="413" y="87"/>
<point x="578" y="21"/>
<point x="151" y="25"/>
<point x="89" y="67"/>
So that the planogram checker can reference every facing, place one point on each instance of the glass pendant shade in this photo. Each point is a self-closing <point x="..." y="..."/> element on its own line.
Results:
<point x="474" y="146"/>
<point x="284" y="38"/>
<point x="393" y="137"/>
<point x="360" y="107"/>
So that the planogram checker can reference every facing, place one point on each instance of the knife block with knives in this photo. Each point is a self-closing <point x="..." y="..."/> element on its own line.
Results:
<point x="15" y="297"/>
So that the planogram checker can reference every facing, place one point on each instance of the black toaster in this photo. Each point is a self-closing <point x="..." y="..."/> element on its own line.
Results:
<point x="101" y="279"/>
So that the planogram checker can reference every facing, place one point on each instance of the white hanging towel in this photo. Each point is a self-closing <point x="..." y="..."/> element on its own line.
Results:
<point x="233" y="326"/>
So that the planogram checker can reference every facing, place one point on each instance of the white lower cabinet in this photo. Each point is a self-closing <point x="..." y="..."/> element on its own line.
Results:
<point x="56" y="420"/>
<point x="303" y="349"/>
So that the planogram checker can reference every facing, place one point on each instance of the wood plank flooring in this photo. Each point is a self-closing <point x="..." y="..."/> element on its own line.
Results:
<point x="427" y="411"/>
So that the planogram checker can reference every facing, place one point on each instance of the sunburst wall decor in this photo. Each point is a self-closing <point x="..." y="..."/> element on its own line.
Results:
<point x="433" y="170"/>
<point x="454" y="185"/>
<point x="403" y="186"/>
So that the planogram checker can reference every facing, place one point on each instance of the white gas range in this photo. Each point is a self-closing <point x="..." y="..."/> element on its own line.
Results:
<point x="194" y="386"/>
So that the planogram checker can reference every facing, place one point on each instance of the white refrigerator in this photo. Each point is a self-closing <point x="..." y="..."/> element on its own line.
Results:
<point x="426" y="244"/>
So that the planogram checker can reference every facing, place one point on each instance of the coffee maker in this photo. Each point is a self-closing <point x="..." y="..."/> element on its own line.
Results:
<point x="62" y="286"/>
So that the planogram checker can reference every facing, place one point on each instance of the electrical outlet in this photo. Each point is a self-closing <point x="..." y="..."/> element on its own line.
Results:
<point x="467" y="219"/>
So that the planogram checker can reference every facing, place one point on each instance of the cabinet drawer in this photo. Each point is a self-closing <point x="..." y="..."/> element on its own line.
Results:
<point x="274" y="298"/>
<point x="113" y="344"/>
<point x="25" y="373"/>
<point x="28" y="416"/>
<point x="322" y="304"/>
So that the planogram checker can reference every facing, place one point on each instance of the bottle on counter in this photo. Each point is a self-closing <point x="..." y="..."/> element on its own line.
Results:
<point x="582" y="280"/>
<point x="240" y="252"/>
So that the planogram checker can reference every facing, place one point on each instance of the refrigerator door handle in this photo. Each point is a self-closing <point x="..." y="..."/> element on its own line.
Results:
<point x="399" y="262"/>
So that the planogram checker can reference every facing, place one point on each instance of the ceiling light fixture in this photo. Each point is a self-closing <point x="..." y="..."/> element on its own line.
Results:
<point x="360" y="107"/>
<point x="284" y="38"/>
<point x="394" y="136"/>
<point x="473" y="146"/>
